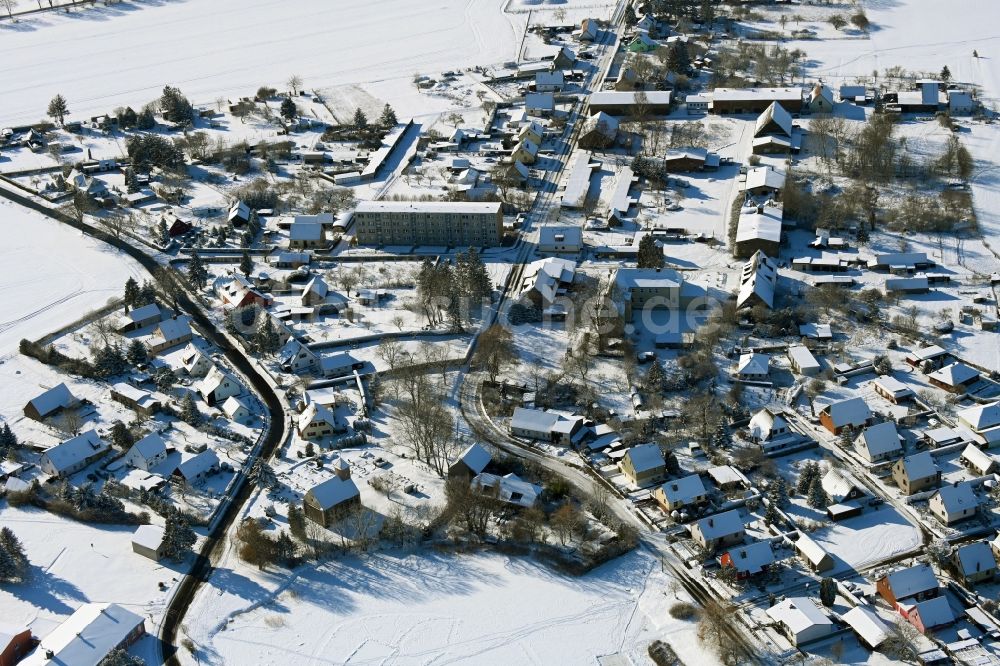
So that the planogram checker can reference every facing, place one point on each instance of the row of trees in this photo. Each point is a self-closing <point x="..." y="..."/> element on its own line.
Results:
<point x="447" y="292"/>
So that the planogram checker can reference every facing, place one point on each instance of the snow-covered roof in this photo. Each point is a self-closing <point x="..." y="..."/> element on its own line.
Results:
<point x="751" y="558"/>
<point x="233" y="404"/>
<point x="776" y="114"/>
<point x="8" y="632"/>
<point x="86" y="637"/>
<point x="764" y="177"/>
<point x="755" y="94"/>
<point x="765" y="422"/>
<point x="933" y="612"/>
<point x="149" y="536"/>
<point x="726" y="474"/>
<point x="57" y="397"/>
<point x="912" y="581"/>
<point x="867" y="624"/>
<point x="199" y="464"/>
<point x="341" y="362"/>
<point x="332" y="492"/>
<point x="880" y="439"/>
<point x="542" y="101"/>
<point x="981" y="417"/>
<point x="627" y="279"/>
<point x="955" y="374"/>
<point x="316" y="286"/>
<point x="174" y="329"/>
<point x="975" y="557"/>
<point x="645" y="457"/>
<point x="546" y="276"/>
<point x="721" y="524"/>
<point x="602" y="123"/>
<point x="802" y="357"/>
<point x="509" y="488"/>
<point x="810" y="549"/>
<point x="136" y="395"/>
<point x="549" y="78"/>
<point x="957" y="497"/>
<point x="533" y="419"/>
<point x="475" y="457"/>
<point x="759" y="278"/>
<point x="906" y="259"/>
<point x="919" y="466"/>
<point x="551" y="234"/>
<point x="893" y="386"/>
<point x="759" y="223"/>
<point x="628" y="98"/>
<point x="149" y="446"/>
<point x="145" y="312"/>
<point x="799" y="614"/>
<point x="978" y="458"/>
<point x="753" y="364"/>
<point x="305" y="231"/>
<point x="683" y="490"/>
<point x="213" y="380"/>
<point x="838" y="484"/>
<point x="316" y="413"/>
<point x="72" y="451"/>
<point x="853" y="411"/>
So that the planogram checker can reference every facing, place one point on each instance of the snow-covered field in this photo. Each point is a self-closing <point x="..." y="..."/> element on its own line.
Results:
<point x="51" y="275"/>
<point x="440" y="609"/>
<point x="228" y="48"/>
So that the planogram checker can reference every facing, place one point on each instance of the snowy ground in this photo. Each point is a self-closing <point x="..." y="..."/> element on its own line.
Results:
<point x="84" y="564"/>
<point x="228" y="48"/>
<point x="52" y="275"/>
<point x="423" y="609"/>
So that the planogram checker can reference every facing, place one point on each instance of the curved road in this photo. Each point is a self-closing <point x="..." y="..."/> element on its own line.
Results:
<point x="276" y="424"/>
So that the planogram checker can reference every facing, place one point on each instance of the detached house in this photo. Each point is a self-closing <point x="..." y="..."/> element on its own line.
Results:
<point x="88" y="636"/>
<point x="643" y="464"/>
<point x="852" y="413"/>
<point x="147" y="453"/>
<point x="195" y="362"/>
<point x="980" y="418"/>
<point x="801" y="620"/>
<point x="198" y="468"/>
<point x="915" y="583"/>
<point x="977" y="461"/>
<point x="916" y="473"/>
<point x="169" y="333"/>
<point x="974" y="562"/>
<point x="217" y="386"/>
<point x="51" y="402"/>
<point x="471" y="462"/>
<point x="74" y="454"/>
<point x="879" y="442"/>
<point x="317" y="422"/>
<point x="303" y="235"/>
<point x="954" y="503"/>
<point x="892" y="389"/>
<point x="722" y="529"/>
<point x="748" y="561"/>
<point x="681" y="493"/>
<point x="296" y="358"/>
<point x="236" y="409"/>
<point x="753" y="367"/>
<point x="141" y="317"/>
<point x="327" y="502"/>
<point x="954" y="378"/>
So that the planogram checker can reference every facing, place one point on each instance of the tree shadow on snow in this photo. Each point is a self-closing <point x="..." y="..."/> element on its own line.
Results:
<point x="49" y="592"/>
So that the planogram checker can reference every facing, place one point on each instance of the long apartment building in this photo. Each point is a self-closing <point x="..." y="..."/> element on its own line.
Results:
<point x="429" y="223"/>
